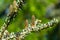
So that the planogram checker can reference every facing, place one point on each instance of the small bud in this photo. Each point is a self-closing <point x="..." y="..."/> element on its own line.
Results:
<point x="39" y="21"/>
<point x="57" y="21"/>
<point x="7" y="33"/>
<point x="45" y="25"/>
<point x="26" y="23"/>
<point x="3" y="29"/>
<point x="0" y="35"/>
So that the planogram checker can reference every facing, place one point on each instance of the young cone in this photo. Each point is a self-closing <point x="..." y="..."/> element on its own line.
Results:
<point x="10" y="10"/>
<point x="33" y="21"/>
<point x="26" y="23"/>
<point x="15" y="6"/>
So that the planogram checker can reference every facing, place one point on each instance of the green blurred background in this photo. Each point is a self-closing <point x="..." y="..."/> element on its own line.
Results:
<point x="31" y="7"/>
